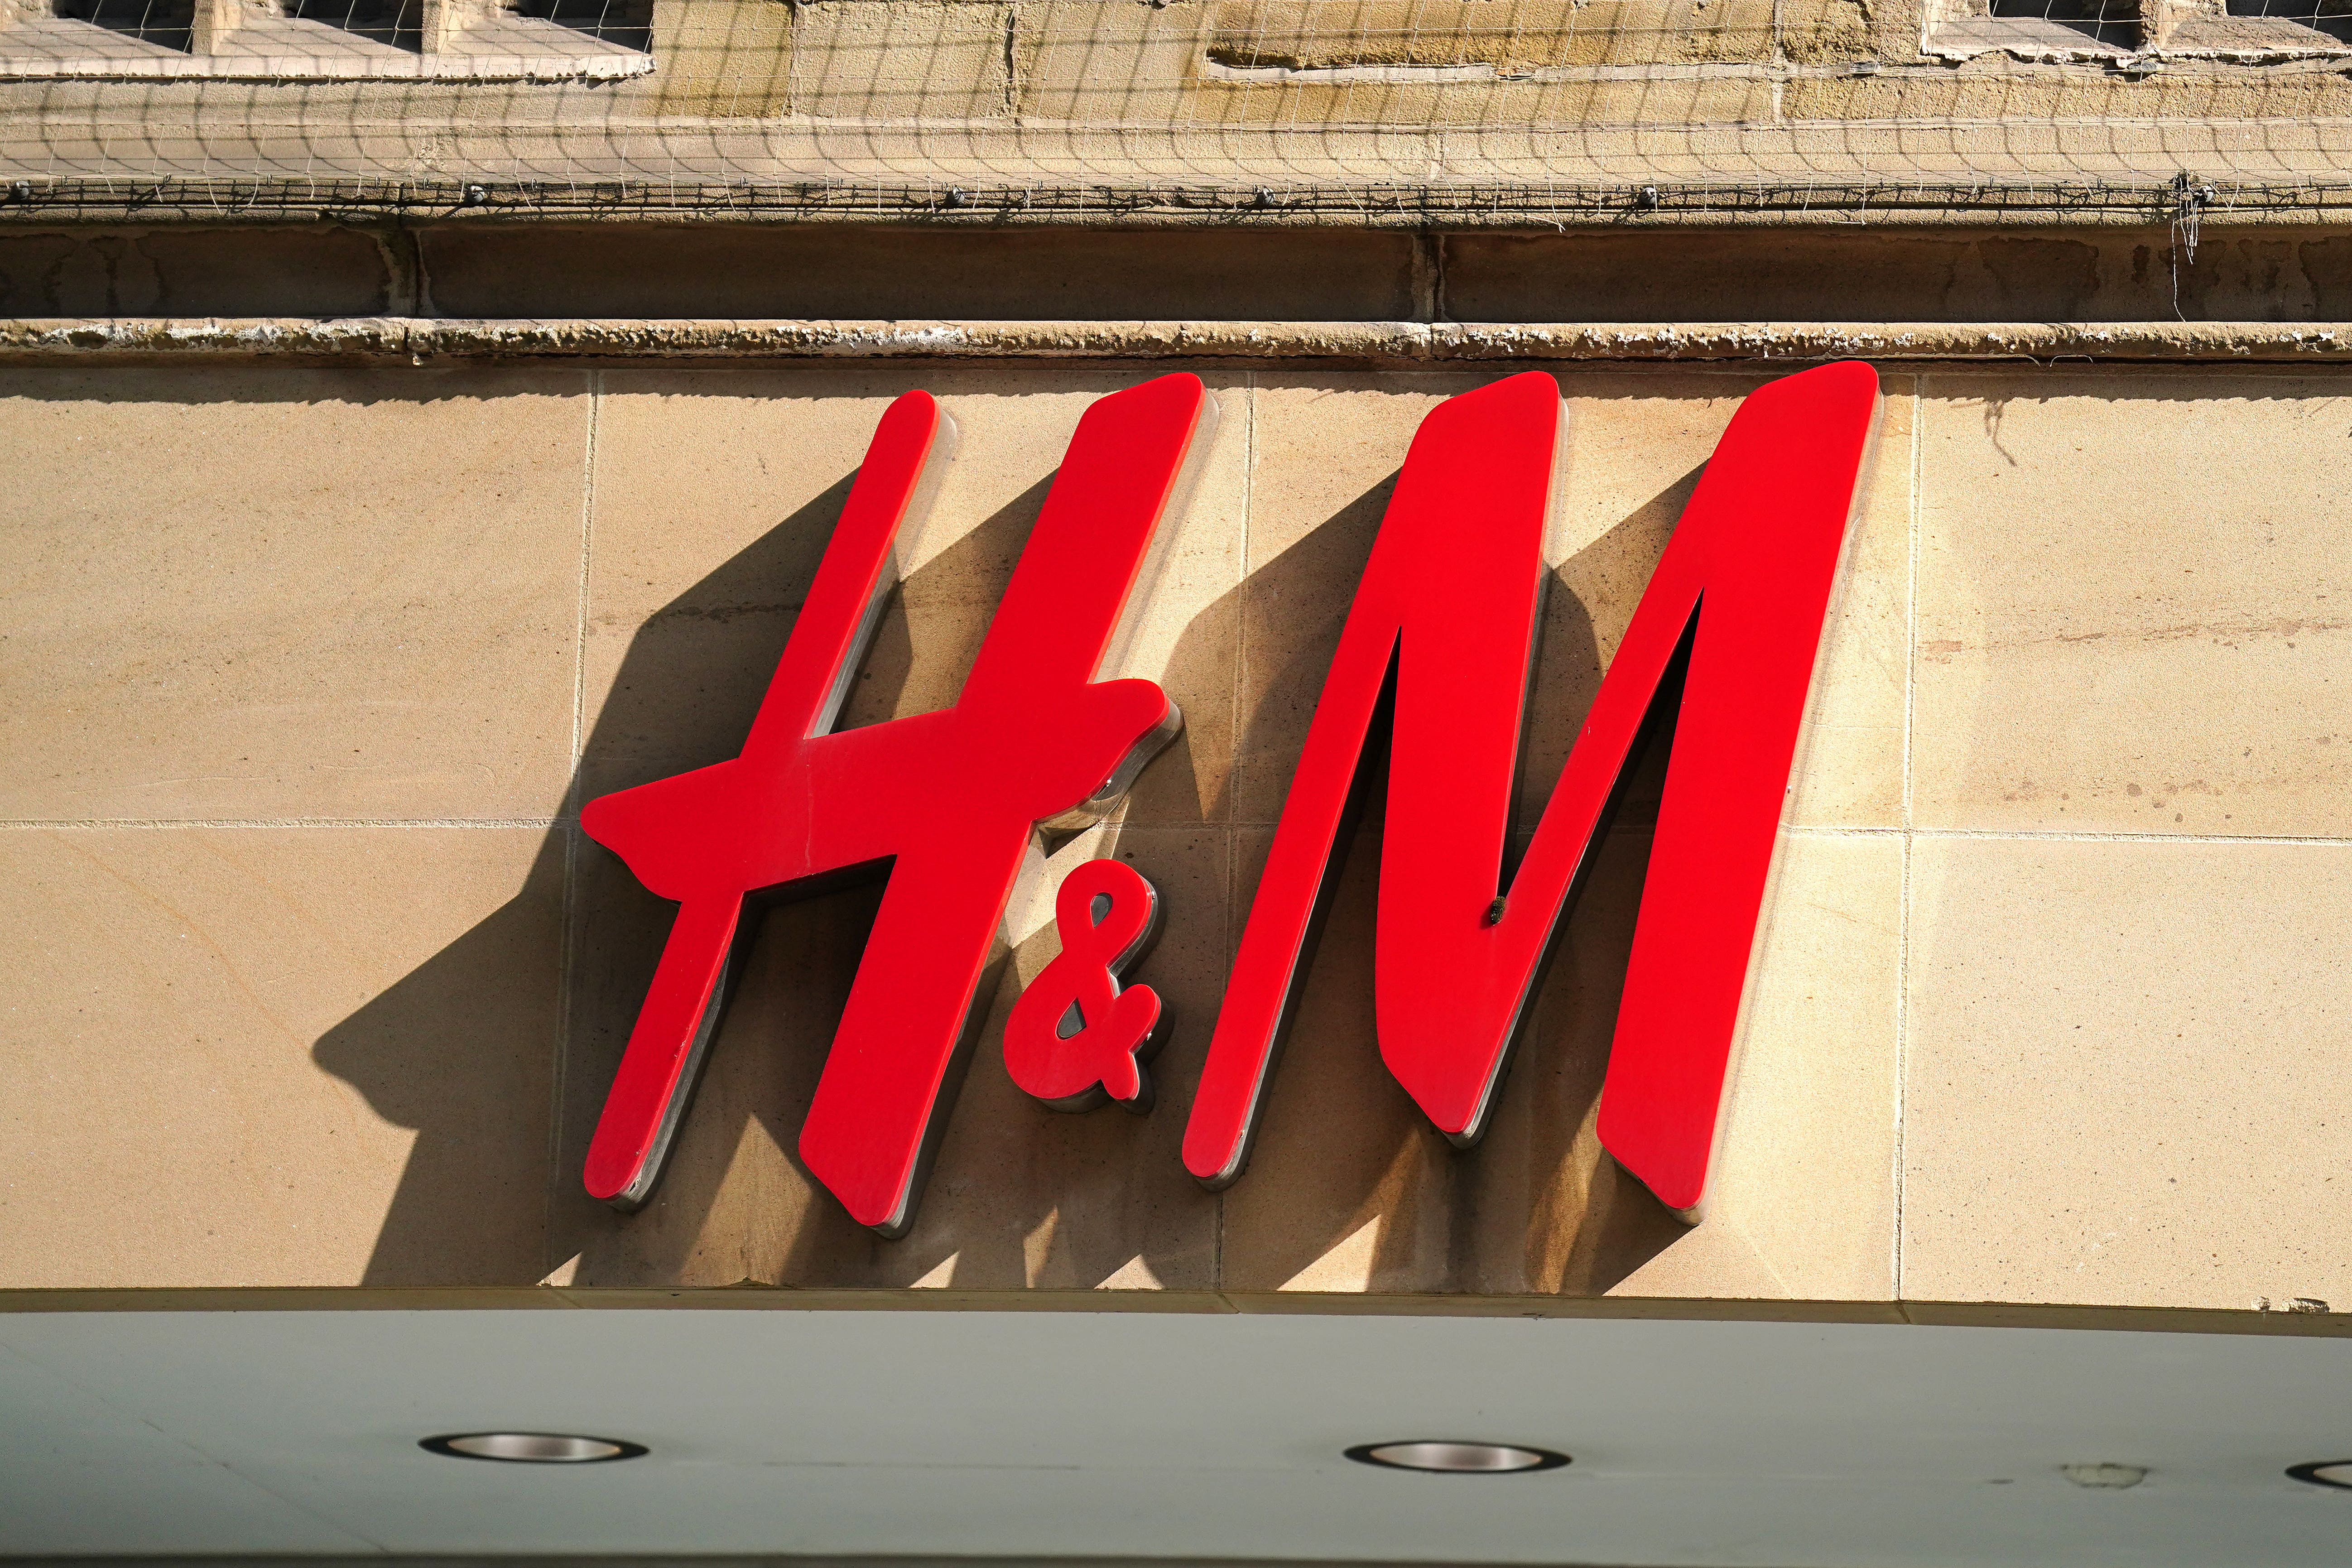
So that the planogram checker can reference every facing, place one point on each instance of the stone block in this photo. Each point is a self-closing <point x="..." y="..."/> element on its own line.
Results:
<point x="1351" y="1189"/>
<point x="1328" y="451"/>
<point x="1020" y="1195"/>
<point x="723" y="59"/>
<point x="2025" y="274"/>
<point x="717" y="492"/>
<point x="1735" y="275"/>
<point x="1298" y="34"/>
<point x="2122" y="1078"/>
<point x="1512" y="41"/>
<point x="1849" y="767"/>
<point x="2111" y="637"/>
<point x="1821" y="32"/>
<point x="880" y="273"/>
<point x="1326" y="455"/>
<point x="1637" y="443"/>
<point x="2058" y="104"/>
<point x="296" y="270"/>
<point x="1385" y="97"/>
<point x="279" y="1056"/>
<point x="1801" y="1203"/>
<point x="1112" y="64"/>
<point x="257" y="595"/>
<point x="920" y="60"/>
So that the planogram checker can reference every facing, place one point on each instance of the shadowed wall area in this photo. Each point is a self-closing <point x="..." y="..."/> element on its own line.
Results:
<point x="465" y="269"/>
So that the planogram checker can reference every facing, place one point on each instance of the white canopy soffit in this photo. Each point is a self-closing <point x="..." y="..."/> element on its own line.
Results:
<point x="1032" y="1434"/>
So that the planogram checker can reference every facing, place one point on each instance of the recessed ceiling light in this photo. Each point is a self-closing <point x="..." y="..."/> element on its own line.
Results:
<point x="533" y="1447"/>
<point x="2325" y="1473"/>
<point x="1457" y="1458"/>
<point x="2110" y="1477"/>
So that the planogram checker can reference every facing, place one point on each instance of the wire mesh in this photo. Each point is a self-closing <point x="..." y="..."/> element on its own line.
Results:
<point x="1242" y="110"/>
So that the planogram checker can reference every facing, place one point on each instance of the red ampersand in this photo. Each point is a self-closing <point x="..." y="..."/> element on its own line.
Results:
<point x="1075" y="1036"/>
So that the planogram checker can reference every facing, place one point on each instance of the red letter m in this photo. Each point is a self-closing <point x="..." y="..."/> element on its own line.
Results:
<point x="1447" y="607"/>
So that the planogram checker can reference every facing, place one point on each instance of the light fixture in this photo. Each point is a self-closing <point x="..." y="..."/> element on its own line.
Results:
<point x="531" y="1447"/>
<point x="2325" y="1473"/>
<point x="1457" y="1458"/>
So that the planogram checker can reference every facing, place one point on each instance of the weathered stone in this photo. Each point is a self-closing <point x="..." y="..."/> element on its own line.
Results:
<point x="727" y="59"/>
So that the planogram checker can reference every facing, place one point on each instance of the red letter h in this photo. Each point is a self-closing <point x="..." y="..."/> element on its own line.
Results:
<point x="947" y="800"/>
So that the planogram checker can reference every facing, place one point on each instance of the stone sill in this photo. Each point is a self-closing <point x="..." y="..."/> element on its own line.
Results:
<point x="53" y="341"/>
<point x="517" y="48"/>
<point x="2020" y="38"/>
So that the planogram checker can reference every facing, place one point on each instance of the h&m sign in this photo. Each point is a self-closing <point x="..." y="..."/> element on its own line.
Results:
<point x="1440" y="636"/>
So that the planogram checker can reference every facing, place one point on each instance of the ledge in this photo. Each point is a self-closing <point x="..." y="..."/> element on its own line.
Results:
<point x="418" y="341"/>
<point x="973" y="177"/>
<point x="771" y="1297"/>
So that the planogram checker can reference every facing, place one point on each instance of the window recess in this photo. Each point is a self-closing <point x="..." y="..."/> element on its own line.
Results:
<point x="313" y="40"/>
<point x="2138" y="33"/>
<point x="2259" y="29"/>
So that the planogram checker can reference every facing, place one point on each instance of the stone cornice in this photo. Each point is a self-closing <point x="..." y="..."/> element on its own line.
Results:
<point x="420" y="341"/>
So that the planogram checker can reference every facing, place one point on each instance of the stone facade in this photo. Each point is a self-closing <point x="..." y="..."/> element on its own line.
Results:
<point x="424" y="417"/>
<point x="317" y="984"/>
<point x="887" y="106"/>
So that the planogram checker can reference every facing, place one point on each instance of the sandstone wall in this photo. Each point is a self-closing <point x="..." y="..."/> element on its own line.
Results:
<point x="316" y="983"/>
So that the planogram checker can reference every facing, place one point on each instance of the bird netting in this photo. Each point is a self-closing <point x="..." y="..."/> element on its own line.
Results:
<point x="1407" y="111"/>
